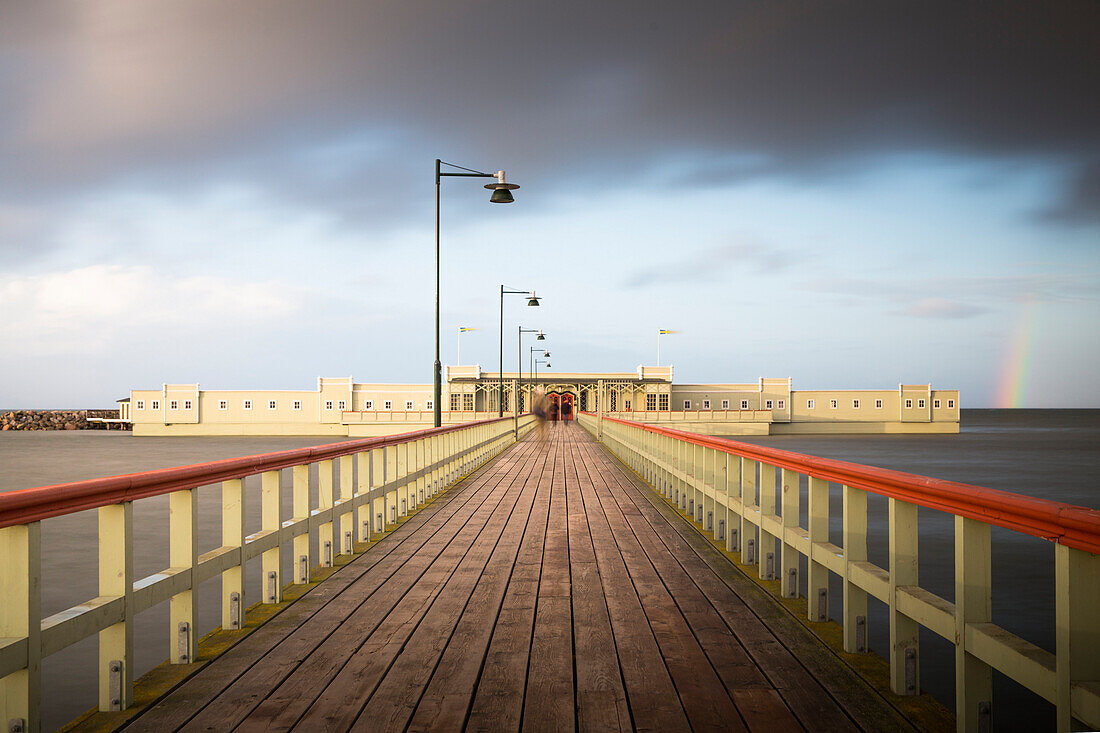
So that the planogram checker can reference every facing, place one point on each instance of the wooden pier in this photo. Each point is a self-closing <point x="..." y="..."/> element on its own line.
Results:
<point x="551" y="590"/>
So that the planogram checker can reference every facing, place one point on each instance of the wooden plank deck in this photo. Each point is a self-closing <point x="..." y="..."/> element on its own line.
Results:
<point x="551" y="590"/>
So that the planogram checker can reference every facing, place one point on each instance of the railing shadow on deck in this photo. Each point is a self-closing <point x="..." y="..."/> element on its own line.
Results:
<point x="729" y="489"/>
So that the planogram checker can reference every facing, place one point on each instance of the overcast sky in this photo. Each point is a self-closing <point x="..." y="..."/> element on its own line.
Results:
<point x="850" y="194"/>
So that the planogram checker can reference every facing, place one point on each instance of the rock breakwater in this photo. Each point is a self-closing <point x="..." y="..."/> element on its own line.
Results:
<point x="56" y="420"/>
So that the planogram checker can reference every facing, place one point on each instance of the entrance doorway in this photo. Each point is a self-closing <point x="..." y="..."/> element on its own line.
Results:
<point x="565" y="404"/>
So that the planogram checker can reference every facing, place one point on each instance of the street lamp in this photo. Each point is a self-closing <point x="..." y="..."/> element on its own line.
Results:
<point x="519" y="366"/>
<point x="531" y="355"/>
<point x="502" y="194"/>
<point x="532" y="300"/>
<point x="540" y="361"/>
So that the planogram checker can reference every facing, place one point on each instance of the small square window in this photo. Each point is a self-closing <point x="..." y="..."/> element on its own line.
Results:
<point x="368" y="405"/>
<point x="429" y="405"/>
<point x="832" y="404"/>
<point x="920" y="404"/>
<point x="187" y="404"/>
<point x="855" y="404"/>
<point x="328" y="404"/>
<point x="950" y="404"/>
<point x="878" y="404"/>
<point x="271" y="404"/>
<point x="908" y="404"/>
<point x="408" y="404"/>
<point x="389" y="404"/>
<point x="174" y="405"/>
<point x="687" y="404"/>
<point x="156" y="405"/>
<point x="781" y="404"/>
<point x="296" y="405"/>
<point x="767" y="404"/>
<point x="141" y="404"/>
<point x="744" y="404"/>
<point x="725" y="404"/>
<point x="936" y="404"/>
<point x="223" y="404"/>
<point x="342" y="405"/>
<point x="706" y="404"/>
<point x="809" y="404"/>
<point x="248" y="404"/>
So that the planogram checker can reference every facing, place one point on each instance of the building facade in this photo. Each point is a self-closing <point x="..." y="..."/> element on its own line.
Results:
<point x="343" y="407"/>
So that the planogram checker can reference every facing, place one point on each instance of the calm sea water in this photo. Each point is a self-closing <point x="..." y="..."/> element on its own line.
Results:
<point x="1053" y="454"/>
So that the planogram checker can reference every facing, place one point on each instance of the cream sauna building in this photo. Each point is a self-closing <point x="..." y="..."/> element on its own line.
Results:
<point x="342" y="407"/>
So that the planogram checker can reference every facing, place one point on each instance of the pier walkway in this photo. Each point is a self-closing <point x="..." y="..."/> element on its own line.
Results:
<point x="550" y="590"/>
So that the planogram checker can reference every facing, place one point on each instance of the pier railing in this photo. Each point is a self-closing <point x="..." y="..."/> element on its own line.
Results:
<point x="392" y="475"/>
<point x="729" y="488"/>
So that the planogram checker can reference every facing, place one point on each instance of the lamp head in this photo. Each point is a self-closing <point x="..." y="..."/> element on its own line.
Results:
<point x="546" y="354"/>
<point x="533" y="299"/>
<point x="541" y="337"/>
<point x="502" y="192"/>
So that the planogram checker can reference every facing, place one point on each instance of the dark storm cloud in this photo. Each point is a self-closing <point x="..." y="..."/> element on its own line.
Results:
<point x="176" y="94"/>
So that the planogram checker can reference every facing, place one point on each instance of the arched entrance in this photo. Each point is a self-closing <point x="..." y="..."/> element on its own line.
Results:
<point x="566" y="405"/>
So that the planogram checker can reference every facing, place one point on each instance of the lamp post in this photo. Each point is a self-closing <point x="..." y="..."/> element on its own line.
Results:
<point x="541" y="361"/>
<point x="532" y="300"/>
<point x="531" y="356"/>
<point x="519" y="366"/>
<point x="502" y="194"/>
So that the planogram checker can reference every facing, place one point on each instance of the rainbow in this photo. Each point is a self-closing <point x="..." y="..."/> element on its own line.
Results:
<point x="1012" y="389"/>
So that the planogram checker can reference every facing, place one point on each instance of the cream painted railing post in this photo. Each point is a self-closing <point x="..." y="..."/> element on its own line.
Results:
<point x="421" y="465"/>
<point x="855" y="551"/>
<point x="364" y="515"/>
<point x="692" y="469"/>
<point x="710" y="491"/>
<point x="379" y="510"/>
<point x="767" y="550"/>
<point x="271" y="510"/>
<point x="116" y="579"/>
<point x="326" y="551"/>
<point x="817" y="575"/>
<point x="233" y="604"/>
<point x="403" y="468"/>
<point x="749" y="549"/>
<point x="389" y="463"/>
<point x="904" y="659"/>
<point x="346" y="522"/>
<point x="973" y="604"/>
<point x="668" y="455"/>
<point x="791" y="493"/>
<point x="21" y="617"/>
<point x="718" y="488"/>
<point x="733" y="503"/>
<point x="1077" y="633"/>
<point x="183" y="529"/>
<point x="300" y="556"/>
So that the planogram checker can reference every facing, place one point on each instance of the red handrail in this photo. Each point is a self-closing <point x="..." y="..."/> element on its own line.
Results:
<point x="1067" y="524"/>
<point x="43" y="502"/>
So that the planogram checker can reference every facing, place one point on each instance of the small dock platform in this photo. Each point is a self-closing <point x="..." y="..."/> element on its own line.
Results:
<point x="550" y="590"/>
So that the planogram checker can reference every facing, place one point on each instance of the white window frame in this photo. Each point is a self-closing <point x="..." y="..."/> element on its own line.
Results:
<point x="296" y="405"/>
<point x="173" y="404"/>
<point x="187" y="404"/>
<point x="781" y="404"/>
<point x="878" y="404"/>
<point x="687" y="404"/>
<point x="908" y="404"/>
<point x="744" y="404"/>
<point x="920" y="404"/>
<point x="248" y="404"/>
<point x="409" y="405"/>
<point x="936" y="404"/>
<point x="342" y="405"/>
<point x="141" y="404"/>
<point x="388" y="405"/>
<point x="855" y="404"/>
<point x="725" y="404"/>
<point x="832" y="404"/>
<point x="651" y="398"/>
<point x="368" y="404"/>
<point x="767" y="404"/>
<point x="155" y="405"/>
<point x="951" y="404"/>
<point x="663" y="402"/>
<point x="223" y="404"/>
<point x="809" y="404"/>
<point x="429" y="405"/>
<point x="706" y="405"/>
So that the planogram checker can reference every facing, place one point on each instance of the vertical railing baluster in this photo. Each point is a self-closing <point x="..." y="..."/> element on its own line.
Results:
<point x="402" y="478"/>
<point x="389" y="464"/>
<point x="904" y="659"/>
<point x="116" y="579"/>
<point x="749" y="550"/>
<point x="21" y="617"/>
<point x="233" y="604"/>
<point x="1076" y="609"/>
<point x="973" y="604"/>
<point x="364" y="508"/>
<point x="791" y="493"/>
<point x="300" y="571"/>
<point x="183" y="526"/>
<point x="325" y="479"/>
<point x="817" y="575"/>
<point x="271" y="511"/>
<point x="345" y="524"/>
<point x="855" y="551"/>
<point x="379" y="509"/>
<point x="766" y="552"/>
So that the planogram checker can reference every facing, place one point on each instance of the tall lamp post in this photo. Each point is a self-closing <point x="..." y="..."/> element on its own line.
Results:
<point x="532" y="300"/>
<point x="531" y="357"/>
<point x="502" y="194"/>
<point x="540" y="361"/>
<point x="519" y="366"/>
